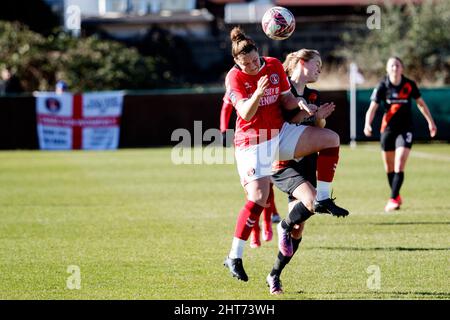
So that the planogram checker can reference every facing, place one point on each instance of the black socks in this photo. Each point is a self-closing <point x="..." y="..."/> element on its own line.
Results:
<point x="282" y="261"/>
<point x="297" y="215"/>
<point x="390" y="176"/>
<point x="397" y="182"/>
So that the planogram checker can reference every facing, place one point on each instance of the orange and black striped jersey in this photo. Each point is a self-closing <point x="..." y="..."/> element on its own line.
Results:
<point x="397" y="103"/>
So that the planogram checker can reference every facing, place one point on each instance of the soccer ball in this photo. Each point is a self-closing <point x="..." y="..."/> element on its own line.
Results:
<point x="278" y="23"/>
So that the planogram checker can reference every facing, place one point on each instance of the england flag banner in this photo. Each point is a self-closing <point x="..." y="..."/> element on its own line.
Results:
<point x="89" y="121"/>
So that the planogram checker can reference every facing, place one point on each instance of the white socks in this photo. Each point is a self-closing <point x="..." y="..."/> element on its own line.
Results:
<point x="323" y="190"/>
<point x="237" y="248"/>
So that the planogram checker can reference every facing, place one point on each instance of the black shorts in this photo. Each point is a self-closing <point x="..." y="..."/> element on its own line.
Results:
<point x="393" y="140"/>
<point x="288" y="179"/>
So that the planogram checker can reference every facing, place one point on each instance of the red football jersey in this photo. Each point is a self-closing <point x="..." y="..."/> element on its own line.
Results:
<point x="240" y="86"/>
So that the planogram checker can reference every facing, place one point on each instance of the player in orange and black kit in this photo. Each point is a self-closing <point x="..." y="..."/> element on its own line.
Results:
<point x="297" y="177"/>
<point x="396" y="92"/>
<point x="270" y="214"/>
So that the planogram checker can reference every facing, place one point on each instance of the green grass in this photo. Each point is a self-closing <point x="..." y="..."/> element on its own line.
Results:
<point x="140" y="227"/>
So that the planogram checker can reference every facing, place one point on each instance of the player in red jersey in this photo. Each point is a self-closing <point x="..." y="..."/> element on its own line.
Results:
<point x="297" y="177"/>
<point x="396" y="92"/>
<point x="270" y="213"/>
<point x="259" y="90"/>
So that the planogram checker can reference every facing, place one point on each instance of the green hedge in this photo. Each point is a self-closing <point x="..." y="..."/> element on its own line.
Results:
<point x="86" y="64"/>
<point x="418" y="34"/>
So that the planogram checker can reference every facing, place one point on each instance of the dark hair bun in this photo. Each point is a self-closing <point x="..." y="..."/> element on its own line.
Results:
<point x="237" y="35"/>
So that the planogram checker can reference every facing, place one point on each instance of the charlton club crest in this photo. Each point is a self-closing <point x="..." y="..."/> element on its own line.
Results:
<point x="274" y="78"/>
<point x="53" y="105"/>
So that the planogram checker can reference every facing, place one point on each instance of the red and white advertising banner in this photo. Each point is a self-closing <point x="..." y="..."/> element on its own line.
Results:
<point x="89" y="121"/>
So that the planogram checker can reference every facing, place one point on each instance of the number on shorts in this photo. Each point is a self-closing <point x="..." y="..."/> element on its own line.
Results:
<point x="409" y="137"/>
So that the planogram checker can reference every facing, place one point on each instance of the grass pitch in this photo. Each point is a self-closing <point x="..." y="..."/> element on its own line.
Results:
<point x="139" y="227"/>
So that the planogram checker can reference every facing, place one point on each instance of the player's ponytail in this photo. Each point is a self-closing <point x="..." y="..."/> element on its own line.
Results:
<point x="237" y="34"/>
<point x="240" y="43"/>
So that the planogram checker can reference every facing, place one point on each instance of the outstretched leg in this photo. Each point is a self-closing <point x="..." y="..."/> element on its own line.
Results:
<point x="326" y="142"/>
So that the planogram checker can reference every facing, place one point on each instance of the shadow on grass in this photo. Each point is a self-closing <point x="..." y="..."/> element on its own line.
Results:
<point x="391" y="223"/>
<point x="408" y="223"/>
<point x="441" y="295"/>
<point x="380" y="249"/>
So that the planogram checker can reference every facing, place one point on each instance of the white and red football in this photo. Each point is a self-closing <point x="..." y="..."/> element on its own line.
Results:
<point x="278" y="23"/>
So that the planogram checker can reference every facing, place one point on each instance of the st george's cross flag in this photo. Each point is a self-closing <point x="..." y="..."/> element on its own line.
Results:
<point x="89" y="121"/>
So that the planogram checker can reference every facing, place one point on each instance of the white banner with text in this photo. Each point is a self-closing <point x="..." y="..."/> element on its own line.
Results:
<point x="89" y="121"/>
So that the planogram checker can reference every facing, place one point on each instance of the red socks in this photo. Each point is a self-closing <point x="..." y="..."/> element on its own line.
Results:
<point x="271" y="200"/>
<point x="326" y="164"/>
<point x="248" y="216"/>
<point x="267" y="212"/>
